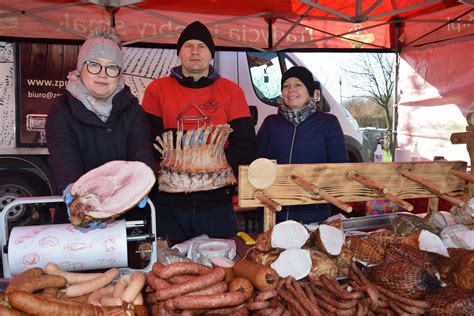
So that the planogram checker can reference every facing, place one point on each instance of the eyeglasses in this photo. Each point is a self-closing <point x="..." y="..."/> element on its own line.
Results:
<point x="113" y="71"/>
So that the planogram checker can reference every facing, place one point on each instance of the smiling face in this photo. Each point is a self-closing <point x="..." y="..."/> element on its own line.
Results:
<point x="195" y="58"/>
<point x="295" y="94"/>
<point x="100" y="86"/>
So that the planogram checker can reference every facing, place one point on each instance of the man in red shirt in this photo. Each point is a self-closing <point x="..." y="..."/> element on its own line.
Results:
<point x="195" y="89"/>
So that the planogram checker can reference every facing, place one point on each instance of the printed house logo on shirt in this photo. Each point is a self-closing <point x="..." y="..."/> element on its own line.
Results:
<point x="192" y="117"/>
<point x="211" y="106"/>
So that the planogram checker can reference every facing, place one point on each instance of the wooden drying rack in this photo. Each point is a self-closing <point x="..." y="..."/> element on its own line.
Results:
<point x="298" y="184"/>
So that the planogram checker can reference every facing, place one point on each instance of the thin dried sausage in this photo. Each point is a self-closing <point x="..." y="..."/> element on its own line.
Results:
<point x="404" y="300"/>
<point x="288" y="297"/>
<point x="266" y="295"/>
<point x="334" y="288"/>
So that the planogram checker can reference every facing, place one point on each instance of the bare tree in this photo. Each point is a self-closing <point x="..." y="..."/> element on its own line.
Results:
<point x="372" y="76"/>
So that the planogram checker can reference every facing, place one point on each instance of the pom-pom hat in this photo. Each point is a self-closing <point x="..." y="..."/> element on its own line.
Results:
<point x="101" y="43"/>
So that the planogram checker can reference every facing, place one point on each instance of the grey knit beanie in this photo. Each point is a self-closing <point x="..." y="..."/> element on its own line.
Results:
<point x="101" y="43"/>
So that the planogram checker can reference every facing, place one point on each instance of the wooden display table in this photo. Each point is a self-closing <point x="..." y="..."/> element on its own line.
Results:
<point x="297" y="184"/>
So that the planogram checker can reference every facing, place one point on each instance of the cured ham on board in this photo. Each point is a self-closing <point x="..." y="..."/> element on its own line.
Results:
<point x="109" y="190"/>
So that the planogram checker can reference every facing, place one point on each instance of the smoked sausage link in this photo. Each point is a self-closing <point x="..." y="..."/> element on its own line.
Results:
<point x="219" y="287"/>
<point x="40" y="282"/>
<point x="22" y="278"/>
<point x="212" y="301"/>
<point x="263" y="277"/>
<point x="5" y="311"/>
<point x="35" y="305"/>
<point x="178" y="268"/>
<point x="197" y="283"/>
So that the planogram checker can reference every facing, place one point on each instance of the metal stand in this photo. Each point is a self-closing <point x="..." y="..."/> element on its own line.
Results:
<point x="55" y="199"/>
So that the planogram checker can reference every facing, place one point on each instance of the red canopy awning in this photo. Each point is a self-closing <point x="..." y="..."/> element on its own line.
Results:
<point x="261" y="25"/>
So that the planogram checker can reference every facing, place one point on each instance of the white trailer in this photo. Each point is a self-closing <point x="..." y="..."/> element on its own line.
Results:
<point x="29" y="81"/>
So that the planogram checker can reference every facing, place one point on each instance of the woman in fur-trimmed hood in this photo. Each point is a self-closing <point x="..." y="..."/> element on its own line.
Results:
<point x="97" y="119"/>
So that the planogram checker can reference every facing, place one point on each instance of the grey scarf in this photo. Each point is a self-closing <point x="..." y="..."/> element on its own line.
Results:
<point x="101" y="108"/>
<point x="298" y="116"/>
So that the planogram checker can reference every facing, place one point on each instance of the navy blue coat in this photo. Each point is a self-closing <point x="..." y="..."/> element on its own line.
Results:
<point x="79" y="141"/>
<point x="318" y="139"/>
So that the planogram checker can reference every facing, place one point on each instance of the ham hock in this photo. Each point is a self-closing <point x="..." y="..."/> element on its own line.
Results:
<point x="109" y="190"/>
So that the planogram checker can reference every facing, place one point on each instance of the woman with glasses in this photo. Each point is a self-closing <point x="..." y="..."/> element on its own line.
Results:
<point x="97" y="119"/>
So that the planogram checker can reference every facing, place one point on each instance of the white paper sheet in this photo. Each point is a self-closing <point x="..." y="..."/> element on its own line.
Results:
<point x="65" y="245"/>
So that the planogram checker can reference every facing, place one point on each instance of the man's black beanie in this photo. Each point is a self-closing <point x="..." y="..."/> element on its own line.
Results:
<point x="303" y="74"/>
<point x="197" y="31"/>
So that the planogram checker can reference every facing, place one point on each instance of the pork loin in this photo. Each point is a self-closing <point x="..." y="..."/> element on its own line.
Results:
<point x="404" y="278"/>
<point x="109" y="190"/>
<point x="195" y="160"/>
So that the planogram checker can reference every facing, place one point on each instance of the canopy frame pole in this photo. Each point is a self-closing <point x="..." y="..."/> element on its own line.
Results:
<point x="55" y="25"/>
<point x="224" y="21"/>
<point x="339" y="36"/>
<point x="372" y="8"/>
<point x="270" y="33"/>
<point x="394" y="142"/>
<point x="295" y="24"/>
<point x="364" y="16"/>
<point x="17" y="12"/>
<point x="401" y="10"/>
<point x="439" y="27"/>
<point x="327" y="10"/>
<point x="112" y="11"/>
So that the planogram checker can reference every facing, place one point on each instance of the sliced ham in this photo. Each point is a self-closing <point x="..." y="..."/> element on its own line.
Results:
<point x="109" y="190"/>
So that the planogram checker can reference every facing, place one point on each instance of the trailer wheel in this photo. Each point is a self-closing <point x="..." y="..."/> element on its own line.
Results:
<point x="22" y="184"/>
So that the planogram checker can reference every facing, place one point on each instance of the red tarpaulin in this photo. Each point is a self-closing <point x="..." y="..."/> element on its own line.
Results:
<point x="434" y="37"/>
<point x="294" y="24"/>
<point x="436" y="93"/>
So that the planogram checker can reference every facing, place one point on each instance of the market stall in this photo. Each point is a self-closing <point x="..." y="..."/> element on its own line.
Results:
<point x="392" y="264"/>
<point x="409" y="264"/>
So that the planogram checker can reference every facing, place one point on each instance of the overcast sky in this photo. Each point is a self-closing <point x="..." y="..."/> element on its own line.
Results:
<point x="327" y="68"/>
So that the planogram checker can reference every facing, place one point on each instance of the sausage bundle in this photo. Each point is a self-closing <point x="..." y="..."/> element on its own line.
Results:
<point x="189" y="286"/>
<point x="53" y="291"/>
